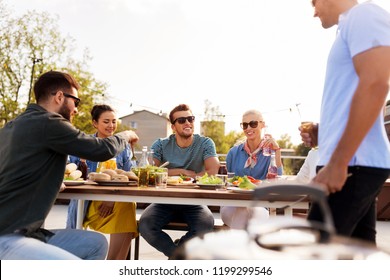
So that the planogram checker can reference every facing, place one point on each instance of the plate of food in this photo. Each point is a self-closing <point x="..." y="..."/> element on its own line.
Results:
<point x="116" y="183"/>
<point x="180" y="181"/>
<point x="74" y="182"/>
<point x="209" y="182"/>
<point x="114" y="178"/>
<point x="209" y="186"/>
<point x="240" y="190"/>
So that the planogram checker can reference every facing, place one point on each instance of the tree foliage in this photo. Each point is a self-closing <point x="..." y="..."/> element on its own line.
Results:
<point x="30" y="45"/>
<point x="214" y="127"/>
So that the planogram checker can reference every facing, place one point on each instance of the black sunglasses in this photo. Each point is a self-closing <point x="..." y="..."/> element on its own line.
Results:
<point x="182" y="120"/>
<point x="252" y="124"/>
<point x="76" y="99"/>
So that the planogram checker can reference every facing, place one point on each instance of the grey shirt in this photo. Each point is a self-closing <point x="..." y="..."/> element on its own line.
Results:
<point x="33" y="152"/>
<point x="190" y="158"/>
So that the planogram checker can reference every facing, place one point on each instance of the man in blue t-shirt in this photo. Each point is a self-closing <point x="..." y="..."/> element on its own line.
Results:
<point x="354" y="152"/>
<point x="188" y="154"/>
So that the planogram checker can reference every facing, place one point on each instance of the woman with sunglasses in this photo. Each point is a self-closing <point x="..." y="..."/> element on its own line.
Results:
<point x="115" y="218"/>
<point x="247" y="159"/>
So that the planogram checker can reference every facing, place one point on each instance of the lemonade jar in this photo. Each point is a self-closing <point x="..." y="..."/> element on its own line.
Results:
<point x="143" y="177"/>
<point x="108" y="164"/>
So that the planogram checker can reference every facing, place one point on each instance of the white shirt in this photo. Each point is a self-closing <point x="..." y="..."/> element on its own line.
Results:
<point x="308" y="169"/>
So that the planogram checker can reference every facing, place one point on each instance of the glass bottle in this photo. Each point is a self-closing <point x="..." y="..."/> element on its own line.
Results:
<point x="222" y="169"/>
<point x="82" y="166"/>
<point x="272" y="169"/>
<point x="150" y="157"/>
<point x="144" y="158"/>
<point x="143" y="175"/>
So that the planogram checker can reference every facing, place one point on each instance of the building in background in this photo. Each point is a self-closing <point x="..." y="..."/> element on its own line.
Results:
<point x="149" y="126"/>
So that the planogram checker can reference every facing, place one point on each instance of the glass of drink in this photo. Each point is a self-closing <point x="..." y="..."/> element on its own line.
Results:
<point x="230" y="175"/>
<point x="267" y="149"/>
<point x="161" y="178"/>
<point x="143" y="178"/>
<point x="312" y="129"/>
<point x="222" y="186"/>
<point x="108" y="164"/>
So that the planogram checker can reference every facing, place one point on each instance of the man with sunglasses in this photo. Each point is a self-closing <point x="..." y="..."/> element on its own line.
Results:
<point x="33" y="152"/>
<point x="188" y="154"/>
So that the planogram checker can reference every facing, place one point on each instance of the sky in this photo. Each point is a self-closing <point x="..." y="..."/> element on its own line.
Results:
<point x="239" y="54"/>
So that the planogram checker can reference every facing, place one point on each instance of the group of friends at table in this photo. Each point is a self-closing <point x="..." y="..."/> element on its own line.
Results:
<point x="353" y="159"/>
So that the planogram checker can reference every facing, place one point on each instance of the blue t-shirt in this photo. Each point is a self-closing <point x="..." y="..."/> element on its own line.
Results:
<point x="189" y="158"/>
<point x="363" y="27"/>
<point x="236" y="158"/>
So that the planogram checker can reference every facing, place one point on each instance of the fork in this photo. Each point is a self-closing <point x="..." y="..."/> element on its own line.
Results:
<point x="134" y="158"/>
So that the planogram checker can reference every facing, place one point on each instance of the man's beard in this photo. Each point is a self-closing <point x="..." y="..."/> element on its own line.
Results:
<point x="185" y="135"/>
<point x="64" y="111"/>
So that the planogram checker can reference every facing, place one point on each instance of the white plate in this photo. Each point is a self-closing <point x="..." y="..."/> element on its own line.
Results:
<point x="175" y="178"/>
<point x="74" y="182"/>
<point x="116" y="183"/>
<point x="239" y="190"/>
<point x="209" y="186"/>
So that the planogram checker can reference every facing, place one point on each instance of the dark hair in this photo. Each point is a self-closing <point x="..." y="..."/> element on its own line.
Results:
<point x="178" y="108"/>
<point x="51" y="82"/>
<point x="98" y="110"/>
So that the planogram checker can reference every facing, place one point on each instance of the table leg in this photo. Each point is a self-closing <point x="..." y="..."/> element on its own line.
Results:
<point x="80" y="214"/>
<point x="288" y="212"/>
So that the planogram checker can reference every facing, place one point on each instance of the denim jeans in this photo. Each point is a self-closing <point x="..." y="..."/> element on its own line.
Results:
<point x="68" y="244"/>
<point x="354" y="207"/>
<point x="198" y="218"/>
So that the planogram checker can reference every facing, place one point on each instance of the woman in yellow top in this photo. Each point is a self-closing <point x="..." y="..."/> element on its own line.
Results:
<point x="115" y="218"/>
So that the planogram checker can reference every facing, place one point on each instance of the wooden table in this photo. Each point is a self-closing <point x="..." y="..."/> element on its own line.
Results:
<point x="171" y="195"/>
<point x="383" y="203"/>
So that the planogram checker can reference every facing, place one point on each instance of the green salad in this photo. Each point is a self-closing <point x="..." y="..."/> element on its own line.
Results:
<point x="209" y="180"/>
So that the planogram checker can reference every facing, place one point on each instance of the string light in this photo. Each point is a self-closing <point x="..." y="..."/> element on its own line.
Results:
<point x="290" y="109"/>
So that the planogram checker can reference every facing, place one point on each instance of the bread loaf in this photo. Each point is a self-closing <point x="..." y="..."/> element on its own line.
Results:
<point x="131" y="175"/>
<point x="91" y="176"/>
<point x="101" y="177"/>
<point x="70" y="167"/>
<point x="75" y="175"/>
<point x="120" y="178"/>
<point x="110" y="172"/>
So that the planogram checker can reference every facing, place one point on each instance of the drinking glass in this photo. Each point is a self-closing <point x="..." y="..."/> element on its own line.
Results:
<point x="312" y="129"/>
<point x="222" y="186"/>
<point x="109" y="164"/>
<point x="161" y="178"/>
<point x="267" y="149"/>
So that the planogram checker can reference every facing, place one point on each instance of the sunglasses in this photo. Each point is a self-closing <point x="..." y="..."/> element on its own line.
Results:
<point x="182" y="120"/>
<point x="76" y="99"/>
<point x="252" y="124"/>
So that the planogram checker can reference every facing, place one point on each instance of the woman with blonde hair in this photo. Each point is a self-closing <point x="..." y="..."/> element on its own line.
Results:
<point x="248" y="159"/>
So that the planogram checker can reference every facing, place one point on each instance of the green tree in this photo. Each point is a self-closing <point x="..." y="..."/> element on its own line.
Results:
<point x="213" y="126"/>
<point x="31" y="45"/>
<point x="285" y="143"/>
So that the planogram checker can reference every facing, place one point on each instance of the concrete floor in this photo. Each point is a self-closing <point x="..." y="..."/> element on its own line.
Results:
<point x="57" y="219"/>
